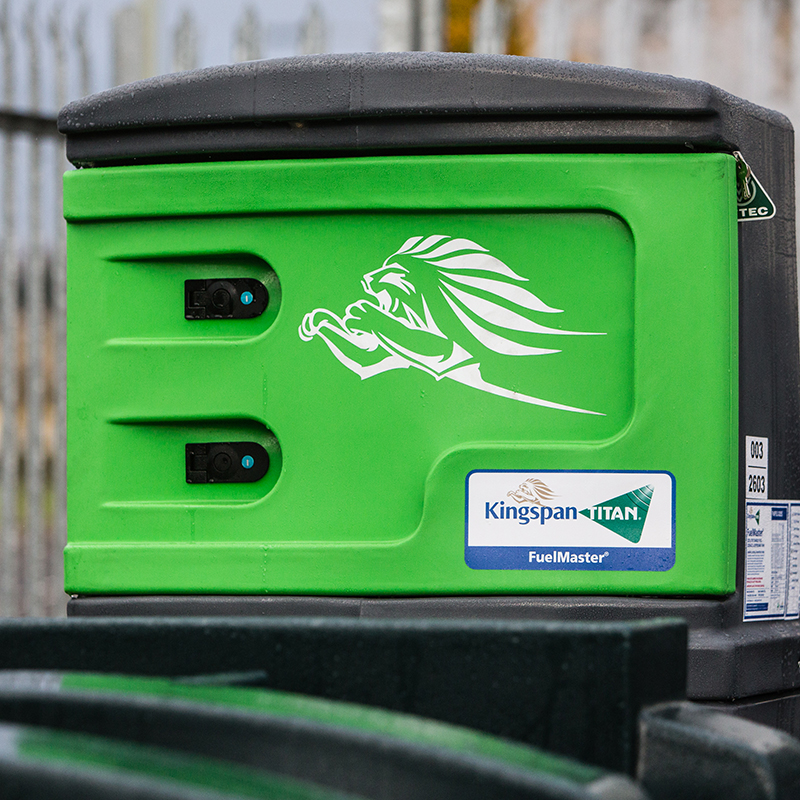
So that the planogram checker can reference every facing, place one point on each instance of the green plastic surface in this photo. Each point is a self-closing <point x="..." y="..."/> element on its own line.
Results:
<point x="366" y="488"/>
<point x="405" y="728"/>
<point x="75" y="754"/>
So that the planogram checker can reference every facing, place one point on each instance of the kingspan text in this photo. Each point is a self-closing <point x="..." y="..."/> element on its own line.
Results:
<point x="525" y="514"/>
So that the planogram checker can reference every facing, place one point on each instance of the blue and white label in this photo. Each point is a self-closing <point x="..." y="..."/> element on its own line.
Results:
<point x="569" y="520"/>
<point x="772" y="560"/>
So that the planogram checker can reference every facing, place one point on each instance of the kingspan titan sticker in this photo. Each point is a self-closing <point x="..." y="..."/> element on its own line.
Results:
<point x="485" y="306"/>
<point x="570" y="520"/>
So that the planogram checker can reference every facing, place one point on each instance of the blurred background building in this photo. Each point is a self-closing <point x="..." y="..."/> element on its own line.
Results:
<point x="54" y="51"/>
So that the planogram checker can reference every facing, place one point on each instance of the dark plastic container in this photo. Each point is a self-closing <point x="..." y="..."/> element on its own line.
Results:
<point x="418" y="104"/>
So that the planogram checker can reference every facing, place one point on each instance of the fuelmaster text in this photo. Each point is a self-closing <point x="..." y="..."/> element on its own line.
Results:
<point x="566" y="557"/>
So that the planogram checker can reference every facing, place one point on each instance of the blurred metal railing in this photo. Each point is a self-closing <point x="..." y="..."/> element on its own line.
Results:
<point x="32" y="336"/>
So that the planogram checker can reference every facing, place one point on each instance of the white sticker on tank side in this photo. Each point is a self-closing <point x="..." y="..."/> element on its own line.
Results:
<point x="772" y="560"/>
<point x="766" y="560"/>
<point x="793" y="581"/>
<point x="756" y="454"/>
<point x="570" y="520"/>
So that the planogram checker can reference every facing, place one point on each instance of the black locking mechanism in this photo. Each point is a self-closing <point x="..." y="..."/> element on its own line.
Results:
<point x="225" y="462"/>
<point x="225" y="298"/>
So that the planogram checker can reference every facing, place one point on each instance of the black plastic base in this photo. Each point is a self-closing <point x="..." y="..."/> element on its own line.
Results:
<point x="728" y="658"/>
<point x="781" y="711"/>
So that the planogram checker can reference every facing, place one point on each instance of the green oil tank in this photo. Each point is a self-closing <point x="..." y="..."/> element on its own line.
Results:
<point x="432" y="334"/>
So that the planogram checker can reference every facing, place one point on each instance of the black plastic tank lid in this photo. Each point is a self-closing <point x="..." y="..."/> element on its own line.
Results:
<point x="367" y="102"/>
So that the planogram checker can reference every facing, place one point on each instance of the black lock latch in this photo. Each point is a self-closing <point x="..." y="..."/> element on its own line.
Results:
<point x="225" y="462"/>
<point x="225" y="298"/>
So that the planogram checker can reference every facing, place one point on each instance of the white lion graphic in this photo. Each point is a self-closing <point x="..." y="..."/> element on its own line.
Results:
<point x="432" y="304"/>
